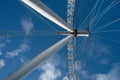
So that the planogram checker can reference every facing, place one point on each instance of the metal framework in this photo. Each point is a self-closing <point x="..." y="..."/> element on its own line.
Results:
<point x="70" y="45"/>
<point x="45" y="11"/>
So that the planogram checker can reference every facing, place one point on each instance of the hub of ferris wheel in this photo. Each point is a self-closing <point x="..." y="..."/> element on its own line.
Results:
<point x="75" y="33"/>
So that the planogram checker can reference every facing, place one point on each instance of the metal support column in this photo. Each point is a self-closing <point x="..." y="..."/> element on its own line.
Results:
<point x="70" y="45"/>
<point x="35" y="62"/>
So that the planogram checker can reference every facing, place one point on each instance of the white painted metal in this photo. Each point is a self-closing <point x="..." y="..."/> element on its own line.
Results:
<point x="85" y="35"/>
<point x="42" y="9"/>
<point x="33" y="64"/>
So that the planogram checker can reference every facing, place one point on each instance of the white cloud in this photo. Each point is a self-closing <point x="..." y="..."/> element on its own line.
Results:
<point x="65" y="78"/>
<point x="78" y="65"/>
<point x="102" y="77"/>
<point x="50" y="70"/>
<point x="23" y="48"/>
<point x="97" y="50"/>
<point x="2" y="63"/>
<point x="3" y="41"/>
<point x="27" y="25"/>
<point x="2" y="45"/>
<point x="0" y="53"/>
<point x="114" y="74"/>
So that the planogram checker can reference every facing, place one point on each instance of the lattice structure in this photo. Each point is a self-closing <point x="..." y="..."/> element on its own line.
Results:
<point x="70" y="45"/>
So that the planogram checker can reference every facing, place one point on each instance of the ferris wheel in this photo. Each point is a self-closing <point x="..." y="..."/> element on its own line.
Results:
<point x="79" y="25"/>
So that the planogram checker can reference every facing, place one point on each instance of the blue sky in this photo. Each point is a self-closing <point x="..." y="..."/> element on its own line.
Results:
<point x="24" y="34"/>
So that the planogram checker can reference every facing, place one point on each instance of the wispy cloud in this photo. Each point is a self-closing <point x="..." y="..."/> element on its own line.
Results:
<point x="114" y="74"/>
<point x="104" y="61"/>
<point x="78" y="65"/>
<point x="27" y="25"/>
<point x="50" y="70"/>
<point x="97" y="50"/>
<point x="83" y="74"/>
<point x="95" y="46"/>
<point x="3" y="41"/>
<point x="24" y="60"/>
<point x="22" y="48"/>
<point x="2" y="63"/>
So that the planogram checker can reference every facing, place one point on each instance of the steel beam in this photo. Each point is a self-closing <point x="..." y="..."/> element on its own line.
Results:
<point x="33" y="64"/>
<point x="42" y="9"/>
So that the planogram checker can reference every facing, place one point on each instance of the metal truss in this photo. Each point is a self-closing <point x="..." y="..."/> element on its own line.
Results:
<point x="70" y="45"/>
